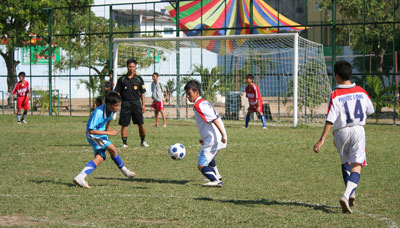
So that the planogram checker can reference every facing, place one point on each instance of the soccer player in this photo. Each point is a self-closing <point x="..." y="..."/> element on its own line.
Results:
<point x="132" y="90"/>
<point x="348" y="108"/>
<point x="212" y="132"/>
<point x="97" y="132"/>
<point x="23" y="95"/>
<point x="255" y="101"/>
<point x="158" y="98"/>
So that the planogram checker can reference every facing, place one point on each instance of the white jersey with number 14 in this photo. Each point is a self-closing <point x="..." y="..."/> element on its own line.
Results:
<point x="349" y="106"/>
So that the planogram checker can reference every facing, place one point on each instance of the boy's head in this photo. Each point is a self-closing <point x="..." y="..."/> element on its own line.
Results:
<point x="113" y="100"/>
<point x="192" y="89"/>
<point x="131" y="64"/>
<point x="98" y="101"/>
<point x="155" y="77"/>
<point x="21" y="75"/>
<point x="249" y="78"/>
<point x="343" y="69"/>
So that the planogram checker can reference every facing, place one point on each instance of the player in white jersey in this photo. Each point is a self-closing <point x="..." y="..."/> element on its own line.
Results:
<point x="348" y="108"/>
<point x="212" y="132"/>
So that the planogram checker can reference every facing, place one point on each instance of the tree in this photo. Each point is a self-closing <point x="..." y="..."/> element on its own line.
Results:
<point x="21" y="18"/>
<point x="210" y="80"/>
<point x="378" y="37"/>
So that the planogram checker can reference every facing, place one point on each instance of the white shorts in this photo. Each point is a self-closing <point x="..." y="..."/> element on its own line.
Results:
<point x="206" y="155"/>
<point x="350" y="144"/>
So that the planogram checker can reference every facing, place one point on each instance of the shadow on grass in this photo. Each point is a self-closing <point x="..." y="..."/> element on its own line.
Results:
<point x="146" y="180"/>
<point x="53" y="182"/>
<point x="323" y="208"/>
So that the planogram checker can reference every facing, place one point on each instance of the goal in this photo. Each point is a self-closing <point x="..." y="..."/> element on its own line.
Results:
<point x="289" y="70"/>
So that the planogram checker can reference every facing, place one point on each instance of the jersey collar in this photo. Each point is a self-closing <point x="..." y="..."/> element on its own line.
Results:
<point x="198" y="99"/>
<point x="340" y="86"/>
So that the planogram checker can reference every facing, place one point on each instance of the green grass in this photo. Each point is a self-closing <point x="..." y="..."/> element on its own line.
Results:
<point x="271" y="178"/>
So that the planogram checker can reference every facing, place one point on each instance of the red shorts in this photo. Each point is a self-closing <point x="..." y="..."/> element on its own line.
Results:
<point x="158" y="105"/>
<point x="256" y="108"/>
<point x="23" y="103"/>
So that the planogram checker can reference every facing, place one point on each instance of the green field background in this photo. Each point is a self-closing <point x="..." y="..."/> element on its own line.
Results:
<point x="272" y="178"/>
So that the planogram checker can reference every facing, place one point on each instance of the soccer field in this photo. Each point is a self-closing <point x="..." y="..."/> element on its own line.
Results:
<point x="272" y="178"/>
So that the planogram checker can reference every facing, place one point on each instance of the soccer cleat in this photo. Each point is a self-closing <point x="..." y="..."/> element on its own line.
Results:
<point x="264" y="127"/>
<point x="216" y="183"/>
<point x="81" y="182"/>
<point x="164" y="125"/>
<point x="352" y="200"/>
<point x="345" y="205"/>
<point x="124" y="146"/>
<point x="218" y="178"/>
<point x="24" y="121"/>
<point x="144" y="144"/>
<point x="129" y="174"/>
<point x="18" y="122"/>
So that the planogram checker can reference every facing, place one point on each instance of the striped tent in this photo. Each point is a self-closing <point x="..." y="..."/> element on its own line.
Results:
<point x="228" y="17"/>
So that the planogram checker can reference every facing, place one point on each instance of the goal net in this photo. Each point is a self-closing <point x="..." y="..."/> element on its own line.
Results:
<point x="289" y="70"/>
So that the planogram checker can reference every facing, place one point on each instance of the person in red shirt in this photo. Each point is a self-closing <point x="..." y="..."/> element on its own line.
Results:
<point x="255" y="101"/>
<point x="23" y="95"/>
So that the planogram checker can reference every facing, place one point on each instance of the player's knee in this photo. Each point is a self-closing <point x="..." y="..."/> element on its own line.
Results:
<point x="200" y="167"/>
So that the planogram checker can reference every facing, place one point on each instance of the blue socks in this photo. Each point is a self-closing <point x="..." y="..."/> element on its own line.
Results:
<point x="89" y="167"/>
<point x="352" y="183"/>
<point x="247" y="120"/>
<point x="209" y="173"/>
<point x="346" y="170"/>
<point x="264" y="122"/>
<point x="117" y="160"/>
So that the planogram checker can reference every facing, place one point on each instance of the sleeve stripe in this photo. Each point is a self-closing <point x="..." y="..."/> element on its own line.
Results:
<point x="197" y="108"/>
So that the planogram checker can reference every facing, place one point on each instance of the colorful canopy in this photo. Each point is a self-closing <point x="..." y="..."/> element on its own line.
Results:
<point x="228" y="17"/>
<point x="225" y="14"/>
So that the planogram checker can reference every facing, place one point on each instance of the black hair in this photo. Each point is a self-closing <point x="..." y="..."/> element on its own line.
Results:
<point x="250" y="76"/>
<point x="343" y="69"/>
<point x="111" y="72"/>
<point x="131" y="61"/>
<point x="21" y="73"/>
<point x="192" y="84"/>
<point x="155" y="73"/>
<point x="99" y="101"/>
<point x="113" y="98"/>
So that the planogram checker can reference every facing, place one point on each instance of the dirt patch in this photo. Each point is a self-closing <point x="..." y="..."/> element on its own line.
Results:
<point x="16" y="220"/>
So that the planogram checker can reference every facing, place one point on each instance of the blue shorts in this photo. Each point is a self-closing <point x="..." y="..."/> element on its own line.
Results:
<point x="99" y="144"/>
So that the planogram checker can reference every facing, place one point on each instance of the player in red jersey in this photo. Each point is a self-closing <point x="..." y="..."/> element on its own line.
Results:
<point x="23" y="95"/>
<point x="255" y="101"/>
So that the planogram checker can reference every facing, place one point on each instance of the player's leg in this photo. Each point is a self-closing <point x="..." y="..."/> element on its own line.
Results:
<point x="213" y="166"/>
<point x="89" y="168"/>
<point x="262" y="117"/>
<point x="124" y="121"/>
<point x="137" y="118"/>
<point x="118" y="161"/>
<point x="19" y="107"/>
<point x="25" y="106"/>
<point x="249" y="112"/>
<point x="156" y="113"/>
<point x="203" y="160"/>
<point x="142" y="133"/>
<point x="163" y="114"/>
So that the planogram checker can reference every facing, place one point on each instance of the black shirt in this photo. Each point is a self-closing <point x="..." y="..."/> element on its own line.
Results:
<point x="130" y="89"/>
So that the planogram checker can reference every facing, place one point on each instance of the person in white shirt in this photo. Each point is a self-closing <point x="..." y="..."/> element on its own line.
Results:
<point x="157" y="95"/>
<point x="348" y="108"/>
<point x="212" y="133"/>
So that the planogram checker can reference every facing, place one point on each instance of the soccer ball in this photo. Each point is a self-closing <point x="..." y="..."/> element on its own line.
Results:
<point x="177" y="151"/>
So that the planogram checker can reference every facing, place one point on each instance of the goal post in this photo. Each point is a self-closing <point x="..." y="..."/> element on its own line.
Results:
<point x="289" y="70"/>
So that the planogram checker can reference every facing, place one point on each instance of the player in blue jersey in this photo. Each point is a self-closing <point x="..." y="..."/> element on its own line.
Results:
<point x="97" y="132"/>
<point x="348" y="108"/>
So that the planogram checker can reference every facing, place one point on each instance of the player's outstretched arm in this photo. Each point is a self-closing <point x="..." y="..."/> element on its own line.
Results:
<point x="321" y="141"/>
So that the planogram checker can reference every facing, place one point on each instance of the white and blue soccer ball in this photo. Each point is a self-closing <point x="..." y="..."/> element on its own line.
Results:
<point x="177" y="151"/>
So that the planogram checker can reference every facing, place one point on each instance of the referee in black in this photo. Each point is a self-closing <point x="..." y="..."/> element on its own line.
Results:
<point x="132" y="90"/>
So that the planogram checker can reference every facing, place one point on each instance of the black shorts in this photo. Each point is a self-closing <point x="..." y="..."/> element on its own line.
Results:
<point x="131" y="109"/>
